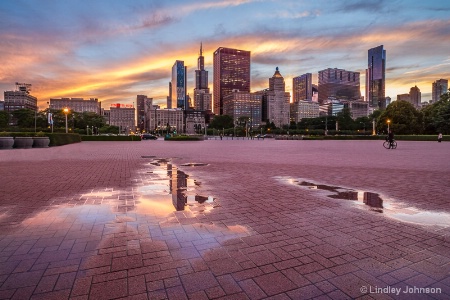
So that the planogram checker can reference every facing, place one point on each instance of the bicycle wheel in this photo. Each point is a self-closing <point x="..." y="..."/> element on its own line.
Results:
<point x="386" y="145"/>
<point x="394" y="145"/>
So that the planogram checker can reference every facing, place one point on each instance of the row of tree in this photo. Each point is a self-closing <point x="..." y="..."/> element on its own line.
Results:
<point x="403" y="118"/>
<point x="77" y="122"/>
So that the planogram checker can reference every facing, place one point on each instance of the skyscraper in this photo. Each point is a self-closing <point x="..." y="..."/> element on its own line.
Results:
<point x="338" y="84"/>
<point x="144" y="104"/>
<point x="376" y="77"/>
<point x="278" y="99"/>
<point x="169" y="98"/>
<point x="302" y="87"/>
<point x="201" y="75"/>
<point x="231" y="72"/>
<point x="202" y="96"/>
<point x="178" y="97"/>
<point x="415" y="96"/>
<point x="439" y="88"/>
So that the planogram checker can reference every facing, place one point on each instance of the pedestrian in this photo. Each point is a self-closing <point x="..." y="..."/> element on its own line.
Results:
<point x="440" y="137"/>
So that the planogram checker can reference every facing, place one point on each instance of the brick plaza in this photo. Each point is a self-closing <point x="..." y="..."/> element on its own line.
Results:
<point x="96" y="220"/>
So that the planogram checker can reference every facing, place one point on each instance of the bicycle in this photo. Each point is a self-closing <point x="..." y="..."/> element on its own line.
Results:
<point x="389" y="145"/>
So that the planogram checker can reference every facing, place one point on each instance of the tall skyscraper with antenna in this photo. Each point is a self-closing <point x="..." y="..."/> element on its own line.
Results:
<point x="202" y="96"/>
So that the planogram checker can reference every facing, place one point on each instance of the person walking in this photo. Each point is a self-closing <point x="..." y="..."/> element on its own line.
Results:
<point x="440" y="137"/>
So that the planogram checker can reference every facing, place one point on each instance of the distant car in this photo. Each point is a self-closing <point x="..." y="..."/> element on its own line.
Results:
<point x="147" y="136"/>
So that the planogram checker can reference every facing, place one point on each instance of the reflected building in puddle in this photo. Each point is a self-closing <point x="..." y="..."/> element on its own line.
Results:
<point x="370" y="199"/>
<point x="178" y="186"/>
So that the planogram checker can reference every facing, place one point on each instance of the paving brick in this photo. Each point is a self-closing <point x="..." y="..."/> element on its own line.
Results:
<point x="83" y="233"/>
<point x="109" y="289"/>
<point x="274" y="283"/>
<point x="19" y="280"/>
<point x="198" y="281"/>
<point x="251" y="289"/>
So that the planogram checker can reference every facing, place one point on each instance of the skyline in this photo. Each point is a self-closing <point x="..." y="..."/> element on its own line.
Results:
<point x="114" y="51"/>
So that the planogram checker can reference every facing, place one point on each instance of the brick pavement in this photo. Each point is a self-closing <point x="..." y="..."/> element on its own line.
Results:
<point x="97" y="221"/>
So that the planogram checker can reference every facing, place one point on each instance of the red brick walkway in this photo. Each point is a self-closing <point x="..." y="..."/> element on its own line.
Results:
<point x="95" y="220"/>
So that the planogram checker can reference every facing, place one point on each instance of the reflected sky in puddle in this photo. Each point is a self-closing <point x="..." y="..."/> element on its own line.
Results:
<point x="374" y="202"/>
<point x="171" y="189"/>
<point x="164" y="189"/>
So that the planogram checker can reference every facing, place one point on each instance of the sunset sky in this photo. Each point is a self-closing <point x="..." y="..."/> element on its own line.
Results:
<point x="115" y="50"/>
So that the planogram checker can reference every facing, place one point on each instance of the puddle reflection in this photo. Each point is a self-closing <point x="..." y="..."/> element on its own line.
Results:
<point x="375" y="202"/>
<point x="170" y="190"/>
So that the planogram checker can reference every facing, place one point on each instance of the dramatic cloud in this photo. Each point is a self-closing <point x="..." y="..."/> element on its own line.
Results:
<point x="116" y="50"/>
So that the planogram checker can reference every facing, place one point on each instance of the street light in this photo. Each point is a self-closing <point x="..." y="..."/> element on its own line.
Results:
<point x="66" y="112"/>
<point x="388" y="121"/>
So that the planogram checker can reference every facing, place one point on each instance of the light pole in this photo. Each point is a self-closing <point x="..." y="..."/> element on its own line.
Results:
<point x="66" y="111"/>
<point x="50" y="116"/>
<point x="388" y="122"/>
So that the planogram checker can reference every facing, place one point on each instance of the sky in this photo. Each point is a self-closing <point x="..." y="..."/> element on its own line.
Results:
<point x="114" y="50"/>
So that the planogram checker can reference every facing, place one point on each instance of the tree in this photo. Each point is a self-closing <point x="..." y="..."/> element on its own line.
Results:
<point x="4" y="119"/>
<point x="363" y="123"/>
<point x="292" y="125"/>
<point x="437" y="116"/>
<point x="344" y="119"/>
<point x="270" y="125"/>
<point x="220" y="122"/>
<point x="24" y="117"/>
<point x="404" y="118"/>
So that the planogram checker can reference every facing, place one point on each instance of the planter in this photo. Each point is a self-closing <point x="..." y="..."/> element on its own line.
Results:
<point x="23" y="142"/>
<point x="6" y="142"/>
<point x="41" y="142"/>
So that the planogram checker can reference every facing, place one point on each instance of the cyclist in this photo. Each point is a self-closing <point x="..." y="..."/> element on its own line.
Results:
<point x="390" y="138"/>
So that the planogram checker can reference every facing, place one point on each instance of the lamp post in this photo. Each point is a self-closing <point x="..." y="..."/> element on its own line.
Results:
<point x="66" y="111"/>
<point x="388" y="122"/>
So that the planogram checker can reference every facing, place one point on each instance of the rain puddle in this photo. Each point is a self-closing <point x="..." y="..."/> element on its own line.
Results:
<point x="194" y="164"/>
<point x="375" y="202"/>
<point x="171" y="189"/>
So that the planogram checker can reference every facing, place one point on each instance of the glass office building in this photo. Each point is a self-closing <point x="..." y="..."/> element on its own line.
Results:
<point x="178" y="94"/>
<point x="302" y="87"/>
<point x="376" y="77"/>
<point x="231" y="72"/>
<point x="338" y="84"/>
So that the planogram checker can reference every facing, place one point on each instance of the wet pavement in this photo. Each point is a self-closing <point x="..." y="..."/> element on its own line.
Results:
<point x="242" y="219"/>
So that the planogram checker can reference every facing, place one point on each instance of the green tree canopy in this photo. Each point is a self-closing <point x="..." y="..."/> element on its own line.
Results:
<point x="4" y="119"/>
<point x="318" y="123"/>
<point x="220" y="122"/>
<point x="344" y="119"/>
<point x="437" y="116"/>
<point x="404" y="118"/>
<point x="24" y="117"/>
